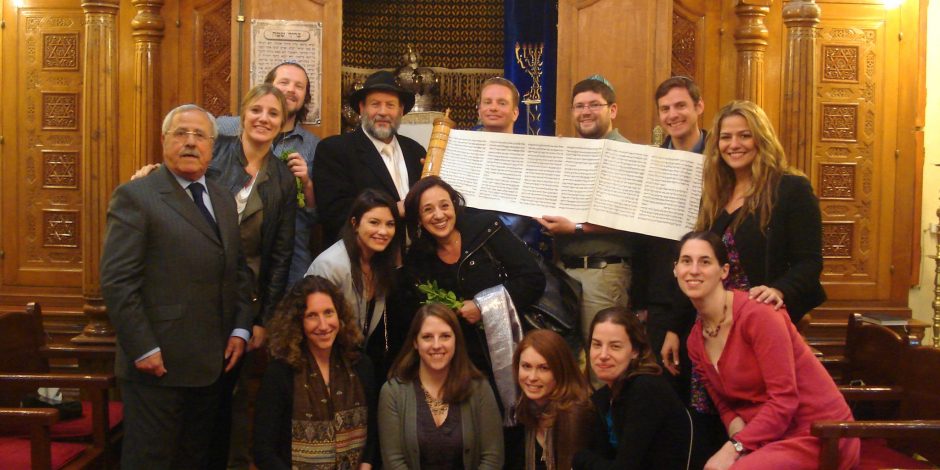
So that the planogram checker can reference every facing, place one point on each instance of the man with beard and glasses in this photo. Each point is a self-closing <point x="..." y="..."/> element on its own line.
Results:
<point x="597" y="256"/>
<point x="373" y="156"/>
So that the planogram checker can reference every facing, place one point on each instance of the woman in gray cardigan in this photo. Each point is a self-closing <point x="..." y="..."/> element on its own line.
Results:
<point x="437" y="411"/>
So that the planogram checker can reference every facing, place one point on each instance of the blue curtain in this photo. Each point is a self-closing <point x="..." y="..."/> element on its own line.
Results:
<point x="533" y="22"/>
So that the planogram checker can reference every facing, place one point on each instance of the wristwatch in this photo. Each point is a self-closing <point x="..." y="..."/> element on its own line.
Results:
<point x="737" y="446"/>
<point x="578" y="228"/>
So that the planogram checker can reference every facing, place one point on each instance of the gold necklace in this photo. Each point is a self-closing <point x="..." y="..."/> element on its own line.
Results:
<point x="713" y="332"/>
<point x="438" y="407"/>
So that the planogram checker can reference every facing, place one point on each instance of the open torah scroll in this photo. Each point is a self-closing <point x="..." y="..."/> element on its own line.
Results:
<point x="630" y="187"/>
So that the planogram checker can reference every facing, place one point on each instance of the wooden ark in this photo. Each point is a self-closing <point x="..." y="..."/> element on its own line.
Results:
<point x="85" y="85"/>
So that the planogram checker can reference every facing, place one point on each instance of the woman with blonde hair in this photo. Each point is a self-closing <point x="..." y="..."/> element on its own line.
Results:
<point x="768" y="218"/>
<point x="554" y="403"/>
<point x="318" y="380"/>
<point x="764" y="210"/>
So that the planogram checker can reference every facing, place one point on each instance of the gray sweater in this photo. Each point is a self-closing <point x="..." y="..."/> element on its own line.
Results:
<point x="480" y="421"/>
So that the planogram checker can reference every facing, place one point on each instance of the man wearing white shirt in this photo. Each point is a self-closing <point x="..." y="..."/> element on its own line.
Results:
<point x="373" y="156"/>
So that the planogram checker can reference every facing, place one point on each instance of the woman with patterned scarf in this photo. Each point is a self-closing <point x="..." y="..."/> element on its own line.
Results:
<point x="316" y="407"/>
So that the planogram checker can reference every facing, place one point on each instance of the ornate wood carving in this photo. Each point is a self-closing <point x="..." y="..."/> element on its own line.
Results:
<point x="837" y="181"/>
<point x="684" y="40"/>
<point x="750" y="40"/>
<point x="60" y="228"/>
<point x="796" y="118"/>
<point x="99" y="145"/>
<point x="850" y="153"/>
<point x="41" y="125"/>
<point x="60" y="111"/>
<point x="840" y="64"/>
<point x="147" y="29"/>
<point x="214" y="57"/>
<point x="60" y="51"/>
<point x="60" y="169"/>
<point x="839" y="122"/>
<point x="837" y="239"/>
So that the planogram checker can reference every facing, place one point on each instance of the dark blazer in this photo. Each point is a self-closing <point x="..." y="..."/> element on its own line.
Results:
<point x="789" y="257"/>
<point x="346" y="164"/>
<point x="652" y="426"/>
<point x="168" y="280"/>
<point x="279" y="198"/>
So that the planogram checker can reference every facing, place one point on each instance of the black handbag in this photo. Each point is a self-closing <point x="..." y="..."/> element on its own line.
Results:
<point x="558" y="308"/>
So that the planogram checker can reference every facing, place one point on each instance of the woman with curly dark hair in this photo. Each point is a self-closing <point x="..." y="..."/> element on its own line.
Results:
<point x="647" y="425"/>
<point x="317" y="380"/>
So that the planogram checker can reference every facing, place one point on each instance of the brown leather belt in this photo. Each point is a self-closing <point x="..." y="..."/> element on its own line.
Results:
<point x="592" y="262"/>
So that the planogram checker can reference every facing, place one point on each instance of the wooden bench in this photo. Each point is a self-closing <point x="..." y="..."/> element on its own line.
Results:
<point x="24" y="368"/>
<point x="892" y="443"/>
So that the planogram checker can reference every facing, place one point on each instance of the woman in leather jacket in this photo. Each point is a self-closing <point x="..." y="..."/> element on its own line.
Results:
<point x="265" y="194"/>
<point x="468" y="254"/>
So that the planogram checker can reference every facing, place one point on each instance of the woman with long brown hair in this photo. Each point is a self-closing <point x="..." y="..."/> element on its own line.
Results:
<point x="437" y="411"/>
<point x="646" y="424"/>
<point x="317" y="380"/>
<point x="554" y="403"/>
<point x="362" y="264"/>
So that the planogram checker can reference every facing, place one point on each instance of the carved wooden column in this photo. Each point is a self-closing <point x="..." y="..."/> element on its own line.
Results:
<point x="147" y="29"/>
<point x="799" y="78"/>
<point x="99" y="155"/>
<point x="750" y="39"/>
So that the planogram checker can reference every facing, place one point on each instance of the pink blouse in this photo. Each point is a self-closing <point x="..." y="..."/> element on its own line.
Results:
<point x="767" y="375"/>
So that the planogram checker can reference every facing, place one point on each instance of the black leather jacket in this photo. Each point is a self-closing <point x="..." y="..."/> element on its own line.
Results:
<point x="486" y="244"/>
<point x="279" y="198"/>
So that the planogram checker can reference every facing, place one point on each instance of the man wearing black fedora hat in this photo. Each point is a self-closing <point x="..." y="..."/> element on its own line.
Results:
<point x="373" y="156"/>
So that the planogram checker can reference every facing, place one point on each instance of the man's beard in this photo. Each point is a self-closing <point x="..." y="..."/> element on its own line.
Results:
<point x="597" y="132"/>
<point x="380" y="133"/>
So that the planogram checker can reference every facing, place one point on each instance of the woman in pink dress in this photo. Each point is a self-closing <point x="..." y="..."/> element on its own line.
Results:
<point x="768" y="386"/>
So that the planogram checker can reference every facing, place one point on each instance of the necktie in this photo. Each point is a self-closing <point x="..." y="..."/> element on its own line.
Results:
<point x="389" y="152"/>
<point x="197" y="189"/>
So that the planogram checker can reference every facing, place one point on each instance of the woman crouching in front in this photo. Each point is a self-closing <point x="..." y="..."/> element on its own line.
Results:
<point x="647" y="424"/>
<point x="555" y="405"/>
<point x="437" y="411"/>
<point x="318" y="380"/>
<point x="767" y="384"/>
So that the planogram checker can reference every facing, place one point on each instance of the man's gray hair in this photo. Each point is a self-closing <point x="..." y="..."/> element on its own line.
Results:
<point x="189" y="107"/>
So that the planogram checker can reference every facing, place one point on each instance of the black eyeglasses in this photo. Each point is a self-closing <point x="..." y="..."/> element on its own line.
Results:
<point x="594" y="107"/>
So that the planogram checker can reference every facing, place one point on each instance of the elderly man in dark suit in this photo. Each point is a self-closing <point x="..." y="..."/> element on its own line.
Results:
<point x="373" y="156"/>
<point x="176" y="287"/>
